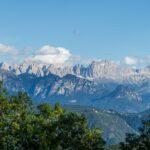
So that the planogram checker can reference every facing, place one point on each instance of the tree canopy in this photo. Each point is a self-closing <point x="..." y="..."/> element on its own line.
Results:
<point x="138" y="141"/>
<point x="26" y="127"/>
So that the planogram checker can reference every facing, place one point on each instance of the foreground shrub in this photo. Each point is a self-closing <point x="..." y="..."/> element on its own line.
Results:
<point x="26" y="127"/>
<point x="138" y="142"/>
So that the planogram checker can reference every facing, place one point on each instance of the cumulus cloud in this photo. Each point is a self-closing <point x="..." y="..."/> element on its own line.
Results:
<point x="130" y="60"/>
<point x="6" y="49"/>
<point x="58" y="55"/>
<point x="51" y="55"/>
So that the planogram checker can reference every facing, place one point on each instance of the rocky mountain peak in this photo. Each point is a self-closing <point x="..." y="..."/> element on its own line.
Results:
<point x="99" y="71"/>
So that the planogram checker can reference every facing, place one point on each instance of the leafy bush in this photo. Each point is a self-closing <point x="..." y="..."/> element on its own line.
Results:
<point x="138" y="141"/>
<point x="24" y="127"/>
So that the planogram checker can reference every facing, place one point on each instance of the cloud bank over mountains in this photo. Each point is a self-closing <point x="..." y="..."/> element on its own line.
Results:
<point x="6" y="49"/>
<point x="136" y="61"/>
<point x="130" y="60"/>
<point x="48" y="54"/>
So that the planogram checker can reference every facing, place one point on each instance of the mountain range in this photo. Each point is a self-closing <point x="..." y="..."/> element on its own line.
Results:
<point x="113" y="124"/>
<point x="101" y="84"/>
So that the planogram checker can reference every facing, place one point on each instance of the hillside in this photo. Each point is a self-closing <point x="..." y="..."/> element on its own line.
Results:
<point x="114" y="126"/>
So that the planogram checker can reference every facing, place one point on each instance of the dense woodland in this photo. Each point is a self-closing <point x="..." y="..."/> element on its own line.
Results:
<point x="24" y="126"/>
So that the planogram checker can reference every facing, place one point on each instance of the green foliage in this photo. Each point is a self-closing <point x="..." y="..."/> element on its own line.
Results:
<point x="3" y="91"/>
<point x="45" y="128"/>
<point x="138" y="142"/>
<point x="113" y="147"/>
<point x="71" y="132"/>
<point x="113" y="126"/>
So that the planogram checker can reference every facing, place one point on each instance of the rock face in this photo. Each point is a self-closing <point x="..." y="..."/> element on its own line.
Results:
<point x="97" y="70"/>
<point x="103" y="84"/>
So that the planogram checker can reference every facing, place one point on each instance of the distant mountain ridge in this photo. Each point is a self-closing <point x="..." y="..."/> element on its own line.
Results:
<point x="103" y="84"/>
<point x="96" y="70"/>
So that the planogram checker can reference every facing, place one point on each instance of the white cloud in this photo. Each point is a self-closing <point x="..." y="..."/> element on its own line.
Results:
<point x="130" y="60"/>
<point x="58" y="55"/>
<point x="5" y="48"/>
<point x="51" y="55"/>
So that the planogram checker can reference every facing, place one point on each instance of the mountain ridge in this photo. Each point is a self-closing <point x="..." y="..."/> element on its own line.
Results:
<point x="96" y="70"/>
<point x="103" y="84"/>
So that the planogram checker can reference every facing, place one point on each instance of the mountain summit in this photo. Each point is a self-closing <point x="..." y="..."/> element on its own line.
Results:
<point x="102" y="84"/>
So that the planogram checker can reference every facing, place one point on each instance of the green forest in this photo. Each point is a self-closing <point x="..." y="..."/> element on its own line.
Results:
<point x="24" y="126"/>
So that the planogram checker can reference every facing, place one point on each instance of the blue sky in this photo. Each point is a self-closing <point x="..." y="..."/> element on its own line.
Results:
<point x="93" y="29"/>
